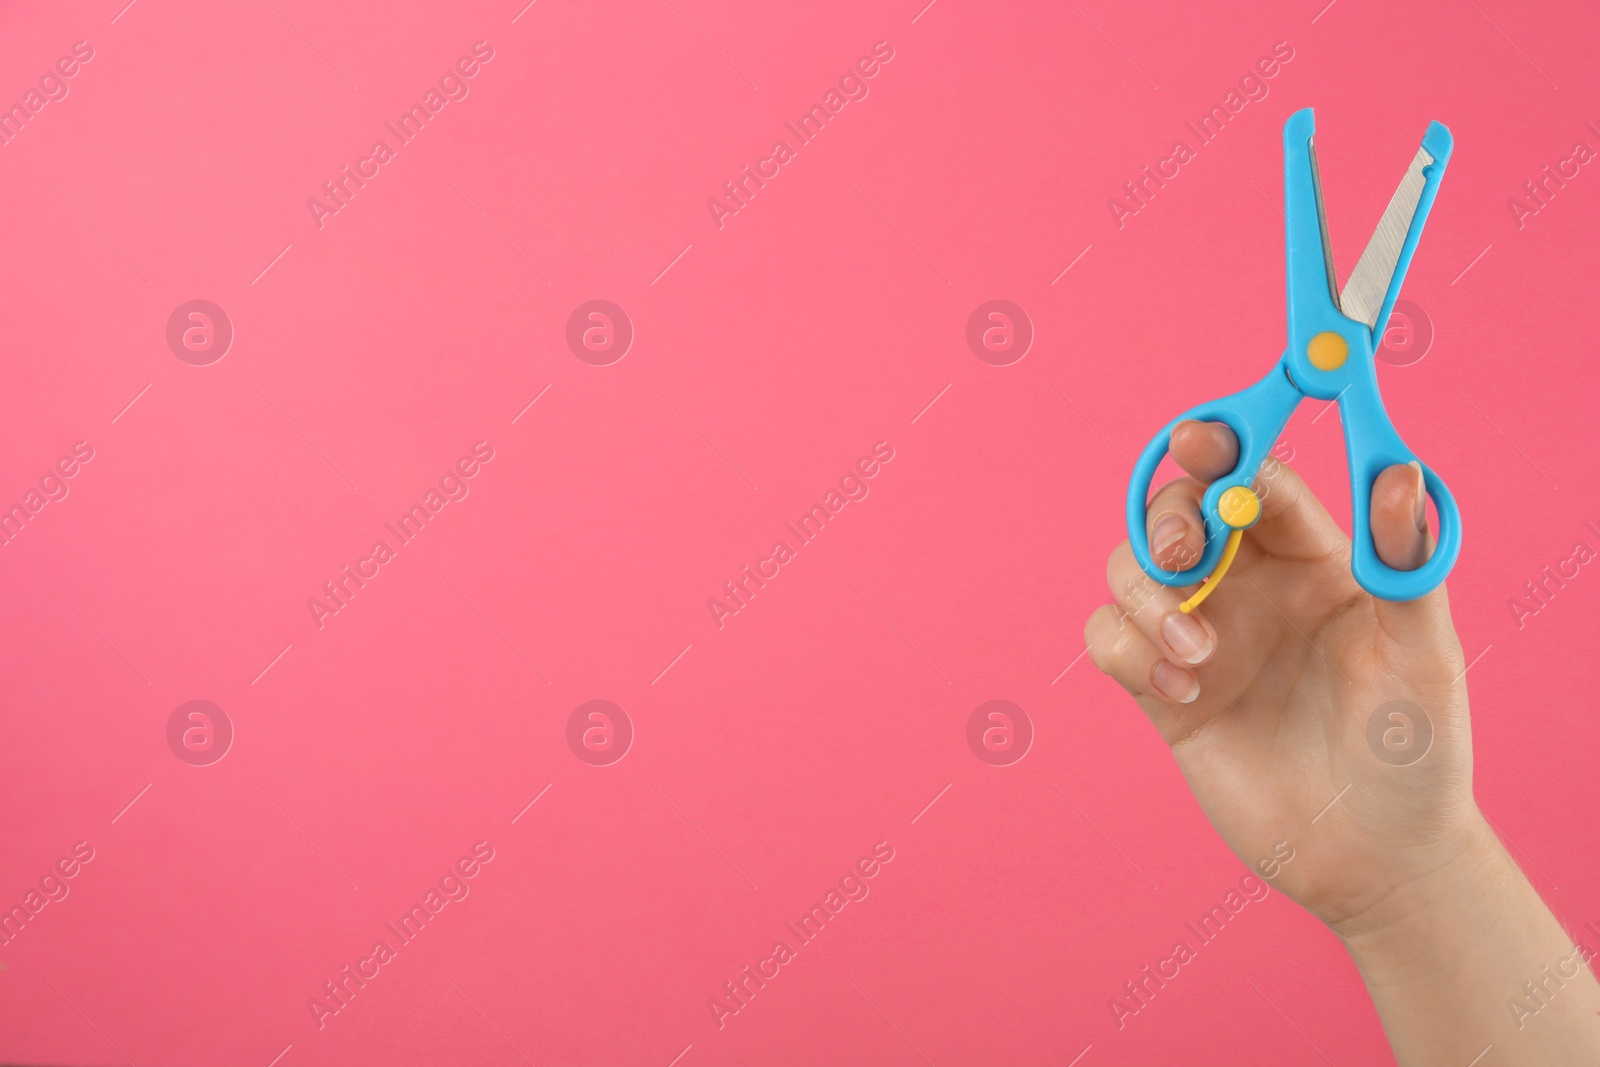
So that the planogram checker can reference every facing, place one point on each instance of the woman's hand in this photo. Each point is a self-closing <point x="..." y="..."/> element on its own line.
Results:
<point x="1325" y="734"/>
<point x="1292" y="696"/>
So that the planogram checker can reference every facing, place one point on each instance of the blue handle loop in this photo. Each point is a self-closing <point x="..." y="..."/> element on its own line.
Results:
<point x="1373" y="445"/>
<point x="1256" y="416"/>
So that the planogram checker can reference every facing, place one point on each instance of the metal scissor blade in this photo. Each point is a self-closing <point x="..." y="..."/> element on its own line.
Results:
<point x="1368" y="285"/>
<point x="1322" y="225"/>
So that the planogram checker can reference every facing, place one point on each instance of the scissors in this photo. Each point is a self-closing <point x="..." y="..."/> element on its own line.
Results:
<point x="1333" y="335"/>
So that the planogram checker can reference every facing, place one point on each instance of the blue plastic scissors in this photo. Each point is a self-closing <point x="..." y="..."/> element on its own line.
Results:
<point x="1333" y="335"/>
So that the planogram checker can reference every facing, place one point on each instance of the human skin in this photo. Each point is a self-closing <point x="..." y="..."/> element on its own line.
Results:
<point x="1265" y="693"/>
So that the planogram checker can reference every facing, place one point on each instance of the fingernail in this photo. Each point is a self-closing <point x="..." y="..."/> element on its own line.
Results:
<point x="1174" y="683"/>
<point x="1168" y="532"/>
<point x="1187" y="637"/>
<point x="1422" y="495"/>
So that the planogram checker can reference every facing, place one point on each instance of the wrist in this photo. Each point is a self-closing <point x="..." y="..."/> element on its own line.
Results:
<point x="1461" y="953"/>
<point x="1468" y="877"/>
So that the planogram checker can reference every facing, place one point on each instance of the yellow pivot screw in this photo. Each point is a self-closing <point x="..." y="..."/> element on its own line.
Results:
<point x="1327" y="351"/>
<point x="1239" y="507"/>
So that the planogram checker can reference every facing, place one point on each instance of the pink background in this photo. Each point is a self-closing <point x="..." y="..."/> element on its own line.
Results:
<point x="770" y="354"/>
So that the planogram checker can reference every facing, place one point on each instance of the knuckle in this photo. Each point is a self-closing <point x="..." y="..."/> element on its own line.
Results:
<point x="1118" y="565"/>
<point x="1100" y="633"/>
<point x="1137" y="592"/>
<point x="1278" y="486"/>
<point x="1108" y="639"/>
<point x="1095" y="626"/>
<point x="1114" y="648"/>
<point x="1097" y="656"/>
<point x="1121" y="645"/>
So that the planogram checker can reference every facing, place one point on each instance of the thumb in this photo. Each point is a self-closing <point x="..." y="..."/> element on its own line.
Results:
<point x="1414" y="628"/>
